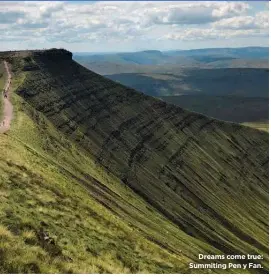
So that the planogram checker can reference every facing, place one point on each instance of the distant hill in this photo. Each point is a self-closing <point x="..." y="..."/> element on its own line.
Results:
<point x="241" y="53"/>
<point x="143" y="57"/>
<point x="216" y="72"/>
<point x="238" y="95"/>
<point x="97" y="177"/>
<point x="228" y="108"/>
<point x="174" y="61"/>
<point x="154" y="57"/>
<point x="229" y="81"/>
<point x="111" y="68"/>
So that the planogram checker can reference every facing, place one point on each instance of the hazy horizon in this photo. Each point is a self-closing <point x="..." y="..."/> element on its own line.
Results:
<point x="169" y="50"/>
<point x="144" y="50"/>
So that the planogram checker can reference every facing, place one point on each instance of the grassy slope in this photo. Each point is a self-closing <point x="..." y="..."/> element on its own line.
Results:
<point x="39" y="183"/>
<point x="263" y="126"/>
<point x="232" y="226"/>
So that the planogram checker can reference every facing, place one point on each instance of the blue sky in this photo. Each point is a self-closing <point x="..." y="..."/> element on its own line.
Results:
<point x="132" y="26"/>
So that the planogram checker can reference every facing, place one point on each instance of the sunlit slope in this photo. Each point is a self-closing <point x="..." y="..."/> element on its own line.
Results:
<point x="97" y="224"/>
<point x="207" y="177"/>
<point x="45" y="185"/>
<point x="264" y="126"/>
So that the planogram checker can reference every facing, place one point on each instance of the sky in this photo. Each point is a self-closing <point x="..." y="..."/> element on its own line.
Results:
<point x="132" y="26"/>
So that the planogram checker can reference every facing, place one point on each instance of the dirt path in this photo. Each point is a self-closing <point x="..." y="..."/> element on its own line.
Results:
<point x="8" y="108"/>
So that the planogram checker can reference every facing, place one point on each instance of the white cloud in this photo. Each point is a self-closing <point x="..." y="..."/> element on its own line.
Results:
<point x="259" y="21"/>
<point x="115" y="22"/>
<point x="211" y="34"/>
<point x="195" y="12"/>
<point x="228" y="9"/>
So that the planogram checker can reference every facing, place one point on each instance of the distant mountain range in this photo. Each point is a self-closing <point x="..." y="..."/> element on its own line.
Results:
<point x="148" y="61"/>
<point x="226" y="77"/>
<point x="243" y="52"/>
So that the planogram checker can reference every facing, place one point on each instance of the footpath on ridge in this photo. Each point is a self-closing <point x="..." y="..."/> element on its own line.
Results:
<point x="7" y="106"/>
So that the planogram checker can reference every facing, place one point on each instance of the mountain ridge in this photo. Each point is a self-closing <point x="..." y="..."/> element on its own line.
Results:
<point x="167" y="156"/>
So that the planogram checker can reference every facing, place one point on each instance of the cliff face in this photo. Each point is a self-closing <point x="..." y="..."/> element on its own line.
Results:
<point x="209" y="178"/>
<point x="53" y="54"/>
<point x="59" y="54"/>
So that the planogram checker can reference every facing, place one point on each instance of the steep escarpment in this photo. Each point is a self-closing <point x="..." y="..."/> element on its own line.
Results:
<point x="207" y="178"/>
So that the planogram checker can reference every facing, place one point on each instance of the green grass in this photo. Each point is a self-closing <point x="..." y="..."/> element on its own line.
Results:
<point x="37" y="186"/>
<point x="263" y="126"/>
<point x="39" y="183"/>
<point x="144" y="190"/>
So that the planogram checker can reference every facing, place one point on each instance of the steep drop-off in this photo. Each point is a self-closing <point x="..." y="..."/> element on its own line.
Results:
<point x="196" y="185"/>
